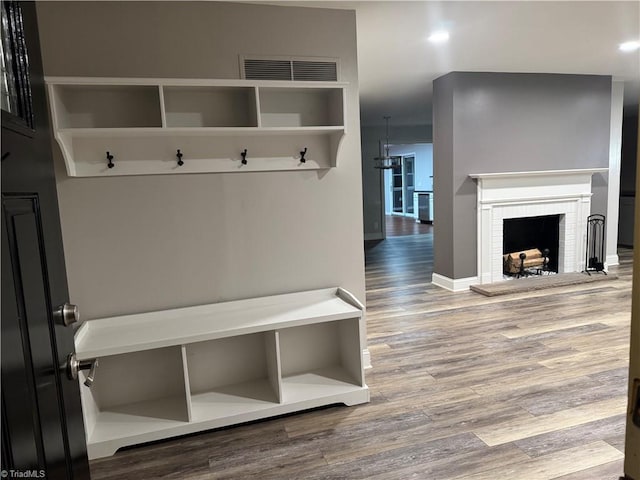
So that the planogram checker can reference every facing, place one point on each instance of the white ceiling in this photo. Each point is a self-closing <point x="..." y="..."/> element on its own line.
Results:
<point x="397" y="64"/>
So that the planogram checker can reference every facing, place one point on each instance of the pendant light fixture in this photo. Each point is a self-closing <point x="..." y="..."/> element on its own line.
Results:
<point x="384" y="161"/>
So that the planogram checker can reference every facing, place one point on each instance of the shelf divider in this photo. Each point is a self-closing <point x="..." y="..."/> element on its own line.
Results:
<point x="187" y="386"/>
<point x="163" y="109"/>
<point x="274" y="369"/>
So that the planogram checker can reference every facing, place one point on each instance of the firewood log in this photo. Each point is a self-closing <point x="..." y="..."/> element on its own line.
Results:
<point x="533" y="253"/>
<point x="512" y="261"/>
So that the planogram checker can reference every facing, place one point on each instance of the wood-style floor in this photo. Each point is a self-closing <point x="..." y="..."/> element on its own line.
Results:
<point x="398" y="226"/>
<point x="463" y="386"/>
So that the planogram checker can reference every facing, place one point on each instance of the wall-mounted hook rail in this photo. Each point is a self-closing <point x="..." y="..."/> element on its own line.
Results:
<point x="180" y="161"/>
<point x="244" y="156"/>
<point x="110" y="163"/>
<point x="302" y="154"/>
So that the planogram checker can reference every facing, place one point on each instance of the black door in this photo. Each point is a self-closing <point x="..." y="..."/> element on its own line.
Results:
<point x="42" y="429"/>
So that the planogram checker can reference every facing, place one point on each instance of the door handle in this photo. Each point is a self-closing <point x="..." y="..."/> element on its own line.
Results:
<point x="74" y="366"/>
<point x="66" y="314"/>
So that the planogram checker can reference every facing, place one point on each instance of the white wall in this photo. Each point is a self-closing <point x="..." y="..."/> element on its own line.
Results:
<point x="145" y="243"/>
<point x="424" y="162"/>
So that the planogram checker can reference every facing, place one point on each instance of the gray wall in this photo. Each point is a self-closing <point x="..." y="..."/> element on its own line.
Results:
<point x="372" y="178"/>
<point x="144" y="243"/>
<point x="507" y="123"/>
<point x="443" y="130"/>
<point x="628" y="172"/>
<point x="629" y="149"/>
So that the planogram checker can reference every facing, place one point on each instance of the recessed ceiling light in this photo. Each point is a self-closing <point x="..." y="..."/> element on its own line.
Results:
<point x="439" y="36"/>
<point x="630" y="46"/>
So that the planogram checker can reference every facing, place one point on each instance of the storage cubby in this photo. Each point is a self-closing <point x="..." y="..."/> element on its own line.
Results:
<point x="143" y="122"/>
<point x="319" y="359"/>
<point x="210" y="106"/>
<point x="301" y="107"/>
<point x="107" y="106"/>
<point x="249" y="380"/>
<point x="136" y="393"/>
<point x="173" y="372"/>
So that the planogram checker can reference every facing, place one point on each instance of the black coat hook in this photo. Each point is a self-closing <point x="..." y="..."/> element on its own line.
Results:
<point x="302" y="154"/>
<point x="110" y="164"/>
<point x="244" y="156"/>
<point x="180" y="161"/>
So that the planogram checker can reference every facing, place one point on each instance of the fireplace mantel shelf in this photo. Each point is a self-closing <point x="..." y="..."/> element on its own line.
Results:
<point x="539" y="173"/>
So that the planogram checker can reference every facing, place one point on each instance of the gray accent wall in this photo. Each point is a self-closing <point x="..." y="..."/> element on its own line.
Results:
<point x="628" y="172"/>
<point x="142" y="243"/>
<point x="443" y="193"/>
<point x="629" y="148"/>
<point x="509" y="122"/>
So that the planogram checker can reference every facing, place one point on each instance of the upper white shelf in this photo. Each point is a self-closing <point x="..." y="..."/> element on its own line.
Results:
<point x="144" y="331"/>
<point x="197" y="131"/>
<point x="211" y="122"/>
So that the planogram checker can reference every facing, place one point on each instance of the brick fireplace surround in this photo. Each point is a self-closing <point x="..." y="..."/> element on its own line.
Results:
<point x="531" y="194"/>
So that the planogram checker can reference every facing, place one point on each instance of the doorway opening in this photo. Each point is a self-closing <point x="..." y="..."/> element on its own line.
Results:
<point x="408" y="190"/>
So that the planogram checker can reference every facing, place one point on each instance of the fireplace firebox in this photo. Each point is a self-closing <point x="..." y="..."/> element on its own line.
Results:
<point x="529" y="233"/>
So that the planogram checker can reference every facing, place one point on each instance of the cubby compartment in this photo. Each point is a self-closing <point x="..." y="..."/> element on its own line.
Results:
<point x="107" y="106"/>
<point x="301" y="107"/>
<point x="320" y="359"/>
<point x="208" y="106"/>
<point x="233" y="376"/>
<point x="136" y="393"/>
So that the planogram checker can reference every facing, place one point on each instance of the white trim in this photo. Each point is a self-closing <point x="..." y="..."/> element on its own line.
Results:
<point x="366" y="359"/>
<point x="612" y="260"/>
<point x="538" y="173"/>
<point x="206" y="82"/>
<point x="531" y="200"/>
<point x="613" y="186"/>
<point x="453" y="284"/>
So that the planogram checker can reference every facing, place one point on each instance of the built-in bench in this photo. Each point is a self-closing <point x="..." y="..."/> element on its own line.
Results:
<point x="173" y="372"/>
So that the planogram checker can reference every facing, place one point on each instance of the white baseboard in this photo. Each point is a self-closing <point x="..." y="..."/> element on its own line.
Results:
<point x="453" y="285"/>
<point x="612" y="260"/>
<point x="366" y="358"/>
<point x="374" y="236"/>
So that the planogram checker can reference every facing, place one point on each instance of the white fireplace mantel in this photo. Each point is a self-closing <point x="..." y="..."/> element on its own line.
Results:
<point x="529" y="194"/>
<point x="540" y="173"/>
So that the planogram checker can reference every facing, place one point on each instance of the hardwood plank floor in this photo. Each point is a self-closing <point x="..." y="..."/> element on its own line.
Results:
<point x="527" y="386"/>
<point x="399" y="226"/>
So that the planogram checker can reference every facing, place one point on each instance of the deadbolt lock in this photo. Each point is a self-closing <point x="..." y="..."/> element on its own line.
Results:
<point x="66" y="314"/>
